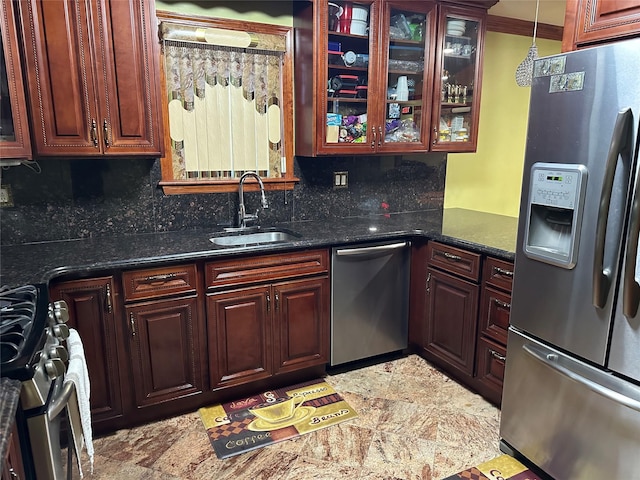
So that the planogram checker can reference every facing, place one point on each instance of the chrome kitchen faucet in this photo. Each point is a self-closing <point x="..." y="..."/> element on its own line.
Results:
<point x="243" y="217"/>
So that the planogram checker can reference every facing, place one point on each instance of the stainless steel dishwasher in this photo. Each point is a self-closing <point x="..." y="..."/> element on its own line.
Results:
<point x="369" y="300"/>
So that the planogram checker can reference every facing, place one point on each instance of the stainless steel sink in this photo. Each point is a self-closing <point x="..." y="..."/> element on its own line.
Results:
<point x="242" y="239"/>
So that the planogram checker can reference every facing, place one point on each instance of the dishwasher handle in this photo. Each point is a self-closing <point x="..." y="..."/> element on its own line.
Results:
<point x="373" y="249"/>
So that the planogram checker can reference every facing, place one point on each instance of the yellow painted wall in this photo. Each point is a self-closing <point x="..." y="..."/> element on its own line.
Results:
<point x="489" y="180"/>
<point x="274" y="12"/>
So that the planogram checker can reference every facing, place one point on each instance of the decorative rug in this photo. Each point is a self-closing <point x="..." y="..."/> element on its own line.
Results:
<point x="273" y="416"/>
<point x="504" y="467"/>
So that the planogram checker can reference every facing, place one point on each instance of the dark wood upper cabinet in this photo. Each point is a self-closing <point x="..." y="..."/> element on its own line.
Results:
<point x="406" y="82"/>
<point x="92" y="73"/>
<point x="590" y="22"/>
<point x="15" y="141"/>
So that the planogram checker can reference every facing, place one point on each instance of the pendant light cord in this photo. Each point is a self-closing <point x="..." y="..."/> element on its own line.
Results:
<point x="535" y="25"/>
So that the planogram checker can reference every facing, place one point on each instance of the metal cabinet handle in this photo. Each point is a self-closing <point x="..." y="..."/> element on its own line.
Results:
<point x="159" y="278"/>
<point x="502" y="271"/>
<point x="429" y="282"/>
<point x="435" y="136"/>
<point x="277" y="301"/>
<point x="94" y="132"/>
<point x="497" y="356"/>
<point x="268" y="303"/>
<point x="373" y="140"/>
<point x="449" y="256"/>
<point x="108" y="298"/>
<point x="132" y="322"/>
<point x="502" y="304"/>
<point x="379" y="136"/>
<point x="105" y="129"/>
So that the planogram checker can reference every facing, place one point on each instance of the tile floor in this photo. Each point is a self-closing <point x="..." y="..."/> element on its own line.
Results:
<point x="414" y="423"/>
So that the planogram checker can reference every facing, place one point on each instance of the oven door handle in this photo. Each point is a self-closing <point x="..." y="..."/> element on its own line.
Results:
<point x="60" y="400"/>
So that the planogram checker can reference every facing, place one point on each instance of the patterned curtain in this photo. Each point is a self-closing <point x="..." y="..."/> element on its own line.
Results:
<point x="224" y="110"/>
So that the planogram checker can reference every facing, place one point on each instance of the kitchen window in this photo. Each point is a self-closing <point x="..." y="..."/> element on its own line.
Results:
<point x="228" y="103"/>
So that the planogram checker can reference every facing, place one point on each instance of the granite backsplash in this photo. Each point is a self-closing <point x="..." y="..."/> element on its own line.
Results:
<point x="70" y="199"/>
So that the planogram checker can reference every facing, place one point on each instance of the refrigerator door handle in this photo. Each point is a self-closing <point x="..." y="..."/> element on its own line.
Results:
<point x="631" y="292"/>
<point x="619" y="143"/>
<point x="615" y="390"/>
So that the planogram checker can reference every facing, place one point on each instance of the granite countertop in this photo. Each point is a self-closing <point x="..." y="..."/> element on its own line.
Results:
<point x="9" y="398"/>
<point x="40" y="262"/>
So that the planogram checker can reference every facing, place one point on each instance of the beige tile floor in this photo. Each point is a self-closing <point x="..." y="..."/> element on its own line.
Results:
<point x="414" y="423"/>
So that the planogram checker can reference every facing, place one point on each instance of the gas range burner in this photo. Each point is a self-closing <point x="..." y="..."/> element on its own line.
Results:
<point x="17" y="310"/>
<point x="24" y="319"/>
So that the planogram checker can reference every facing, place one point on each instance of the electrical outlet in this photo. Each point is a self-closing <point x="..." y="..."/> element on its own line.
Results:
<point x="340" y="179"/>
<point x="6" y="200"/>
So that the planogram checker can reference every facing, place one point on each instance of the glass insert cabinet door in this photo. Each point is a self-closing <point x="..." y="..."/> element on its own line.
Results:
<point x="456" y="113"/>
<point x="348" y="44"/>
<point x="377" y="93"/>
<point x="408" y="44"/>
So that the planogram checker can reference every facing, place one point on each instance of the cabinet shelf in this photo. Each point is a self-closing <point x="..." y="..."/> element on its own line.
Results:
<point x="348" y="35"/>
<point x="346" y="99"/>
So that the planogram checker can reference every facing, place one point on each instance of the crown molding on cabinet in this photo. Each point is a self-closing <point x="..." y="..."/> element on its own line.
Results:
<point x="515" y="26"/>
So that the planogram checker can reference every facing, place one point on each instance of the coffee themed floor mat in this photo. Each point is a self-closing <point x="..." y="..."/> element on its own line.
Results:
<point x="273" y="416"/>
<point x="503" y="467"/>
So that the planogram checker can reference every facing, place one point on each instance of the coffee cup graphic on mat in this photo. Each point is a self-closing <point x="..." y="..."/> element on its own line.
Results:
<point x="279" y="411"/>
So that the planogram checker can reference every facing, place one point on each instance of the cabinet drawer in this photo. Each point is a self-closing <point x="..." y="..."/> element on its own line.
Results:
<point x="490" y="375"/>
<point x="159" y="282"/>
<point x="498" y="273"/>
<point x="494" y="314"/>
<point x="265" y="268"/>
<point x="454" y="260"/>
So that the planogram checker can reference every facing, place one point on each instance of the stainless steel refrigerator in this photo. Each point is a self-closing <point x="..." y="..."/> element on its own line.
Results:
<point x="571" y="398"/>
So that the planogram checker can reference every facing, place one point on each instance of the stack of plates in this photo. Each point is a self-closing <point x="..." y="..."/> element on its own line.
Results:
<point x="455" y="27"/>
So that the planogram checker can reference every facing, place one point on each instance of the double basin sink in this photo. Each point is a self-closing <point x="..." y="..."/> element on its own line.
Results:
<point x="254" y="236"/>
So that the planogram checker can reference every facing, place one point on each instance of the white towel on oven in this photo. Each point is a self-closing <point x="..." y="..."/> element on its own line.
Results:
<point x="78" y="374"/>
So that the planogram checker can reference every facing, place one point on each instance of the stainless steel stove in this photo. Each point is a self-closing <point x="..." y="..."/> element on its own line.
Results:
<point x="31" y="334"/>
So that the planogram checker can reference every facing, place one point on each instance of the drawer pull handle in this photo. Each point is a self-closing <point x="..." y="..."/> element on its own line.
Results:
<point x="108" y="298"/>
<point x="502" y="271"/>
<point x="497" y="356"/>
<point x="451" y="256"/>
<point x="159" y="278"/>
<point x="132" y="322"/>
<point x="502" y="304"/>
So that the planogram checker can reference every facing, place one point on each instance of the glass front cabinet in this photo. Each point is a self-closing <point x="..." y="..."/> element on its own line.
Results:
<point x="370" y="76"/>
<point x="458" y="81"/>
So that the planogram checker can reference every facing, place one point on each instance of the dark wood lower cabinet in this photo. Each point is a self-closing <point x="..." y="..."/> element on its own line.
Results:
<point x="165" y="350"/>
<point x="12" y="466"/>
<point x="452" y="312"/>
<point x="461" y="323"/>
<point x="239" y="336"/>
<point x="158" y="342"/>
<point x="301" y="318"/>
<point x="92" y="312"/>
<point x="262" y="331"/>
